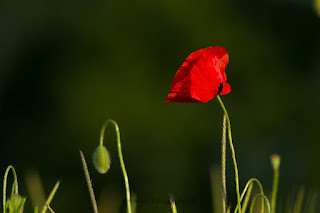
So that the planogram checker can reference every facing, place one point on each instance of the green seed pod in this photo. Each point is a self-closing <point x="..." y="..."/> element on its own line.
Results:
<point x="101" y="159"/>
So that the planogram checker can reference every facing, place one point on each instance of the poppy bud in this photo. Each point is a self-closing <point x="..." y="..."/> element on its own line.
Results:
<point x="101" y="159"/>
<point x="16" y="203"/>
<point x="275" y="161"/>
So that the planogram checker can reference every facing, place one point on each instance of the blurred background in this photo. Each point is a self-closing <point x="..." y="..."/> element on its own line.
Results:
<point x="67" y="66"/>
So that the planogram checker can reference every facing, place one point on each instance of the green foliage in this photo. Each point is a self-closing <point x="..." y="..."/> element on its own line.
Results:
<point x="296" y="203"/>
<point x="101" y="154"/>
<point x="15" y="204"/>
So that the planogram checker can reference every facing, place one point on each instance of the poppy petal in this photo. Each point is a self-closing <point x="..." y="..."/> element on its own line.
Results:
<point x="226" y="89"/>
<point x="206" y="76"/>
<point x="180" y="97"/>
<point x="211" y="66"/>
<point x="180" y="91"/>
<point x="222" y="55"/>
<point x="184" y="69"/>
<point x="199" y="92"/>
<point x="180" y="88"/>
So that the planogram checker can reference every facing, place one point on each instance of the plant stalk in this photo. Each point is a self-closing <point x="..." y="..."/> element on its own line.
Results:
<point x="233" y="153"/>
<point x="125" y="176"/>
<point x="223" y="163"/>
<point x="86" y="173"/>
<point x="5" y="185"/>
<point x="274" y="190"/>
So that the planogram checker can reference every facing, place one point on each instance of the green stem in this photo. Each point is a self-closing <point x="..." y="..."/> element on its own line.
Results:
<point x="254" y="200"/>
<point x="5" y="185"/>
<point x="246" y="188"/>
<point x="102" y="132"/>
<point x="86" y="173"/>
<point x="125" y="176"/>
<point x="274" y="190"/>
<point x="232" y="151"/>
<point x="247" y="198"/>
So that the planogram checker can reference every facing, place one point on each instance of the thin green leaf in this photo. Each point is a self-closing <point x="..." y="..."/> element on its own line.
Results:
<point x="20" y="207"/>
<point x="53" y="192"/>
<point x="173" y="205"/>
<point x="50" y="209"/>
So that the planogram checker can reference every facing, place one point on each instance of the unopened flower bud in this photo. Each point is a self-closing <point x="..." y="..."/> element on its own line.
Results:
<point x="275" y="161"/>
<point x="101" y="159"/>
<point x="16" y="203"/>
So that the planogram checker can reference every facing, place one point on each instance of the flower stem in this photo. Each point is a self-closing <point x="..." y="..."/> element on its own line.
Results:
<point x="223" y="163"/>
<point x="247" y="198"/>
<point x="233" y="153"/>
<point x="125" y="176"/>
<point x="274" y="191"/>
<point x="246" y="190"/>
<point x="275" y="161"/>
<point x="5" y="185"/>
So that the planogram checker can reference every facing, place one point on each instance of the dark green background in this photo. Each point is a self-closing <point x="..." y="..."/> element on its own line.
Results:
<point x="66" y="67"/>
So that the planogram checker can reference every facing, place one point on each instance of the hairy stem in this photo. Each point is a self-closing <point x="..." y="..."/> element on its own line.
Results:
<point x="223" y="163"/>
<point x="232" y="151"/>
<point x="86" y="173"/>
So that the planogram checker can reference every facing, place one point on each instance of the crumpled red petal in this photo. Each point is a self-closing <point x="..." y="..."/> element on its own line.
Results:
<point x="226" y="89"/>
<point x="200" y="76"/>
<point x="180" y="88"/>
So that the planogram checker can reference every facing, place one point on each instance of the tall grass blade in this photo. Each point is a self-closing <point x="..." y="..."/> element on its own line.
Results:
<point x="53" y="192"/>
<point x="299" y="201"/>
<point x="173" y="205"/>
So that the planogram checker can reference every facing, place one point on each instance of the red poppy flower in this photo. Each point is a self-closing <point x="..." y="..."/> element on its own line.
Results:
<point x="201" y="77"/>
